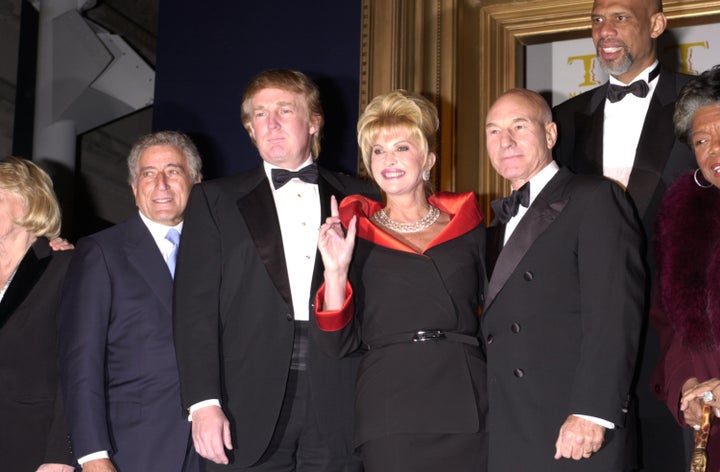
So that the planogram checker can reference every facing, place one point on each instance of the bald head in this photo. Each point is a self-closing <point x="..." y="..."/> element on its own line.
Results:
<point x="520" y="135"/>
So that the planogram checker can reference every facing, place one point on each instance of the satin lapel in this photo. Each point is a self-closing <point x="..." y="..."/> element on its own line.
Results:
<point x="655" y="144"/>
<point x="543" y="211"/>
<point x="494" y="244"/>
<point x="143" y="254"/>
<point x="589" y="126"/>
<point x="258" y="210"/>
<point x="28" y="273"/>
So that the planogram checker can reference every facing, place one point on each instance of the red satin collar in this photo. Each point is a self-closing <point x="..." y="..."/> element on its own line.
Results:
<point x="463" y="209"/>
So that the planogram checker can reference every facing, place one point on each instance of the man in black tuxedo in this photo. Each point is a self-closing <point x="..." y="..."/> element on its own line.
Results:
<point x="564" y="303"/>
<point x="627" y="135"/>
<point x="117" y="359"/>
<point x="260" y="393"/>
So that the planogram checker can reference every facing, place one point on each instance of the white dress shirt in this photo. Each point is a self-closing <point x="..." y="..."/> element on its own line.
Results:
<point x="298" y="208"/>
<point x="623" y="124"/>
<point x="537" y="183"/>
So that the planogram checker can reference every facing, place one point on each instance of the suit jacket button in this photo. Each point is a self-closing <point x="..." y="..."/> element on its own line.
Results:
<point x="289" y="317"/>
<point x="490" y="339"/>
<point x="519" y="373"/>
<point x="528" y="276"/>
<point x="515" y="328"/>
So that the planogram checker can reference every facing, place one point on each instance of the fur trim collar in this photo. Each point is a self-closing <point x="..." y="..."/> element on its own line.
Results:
<point x="686" y="249"/>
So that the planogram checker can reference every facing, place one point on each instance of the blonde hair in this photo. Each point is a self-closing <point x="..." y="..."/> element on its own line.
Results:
<point x="291" y="81"/>
<point x="398" y="109"/>
<point x="35" y="188"/>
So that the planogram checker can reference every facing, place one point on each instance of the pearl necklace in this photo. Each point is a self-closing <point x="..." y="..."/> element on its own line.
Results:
<point x="414" y="227"/>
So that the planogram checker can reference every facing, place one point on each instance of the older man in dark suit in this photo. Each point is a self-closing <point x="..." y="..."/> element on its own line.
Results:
<point x="260" y="393"/>
<point x="118" y="365"/>
<point x="624" y="130"/>
<point x="564" y="303"/>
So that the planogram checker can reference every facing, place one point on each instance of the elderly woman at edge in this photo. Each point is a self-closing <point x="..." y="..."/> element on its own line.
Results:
<point x="686" y="304"/>
<point x="33" y="434"/>
<point x="411" y="295"/>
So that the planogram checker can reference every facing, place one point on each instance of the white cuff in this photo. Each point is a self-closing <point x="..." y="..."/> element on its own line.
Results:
<point x="93" y="457"/>
<point x="605" y="423"/>
<point x="195" y="407"/>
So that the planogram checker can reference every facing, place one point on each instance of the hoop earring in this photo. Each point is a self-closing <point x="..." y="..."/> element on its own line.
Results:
<point x="697" y="181"/>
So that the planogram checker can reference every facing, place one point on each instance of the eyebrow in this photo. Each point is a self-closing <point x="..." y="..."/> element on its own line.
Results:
<point x="278" y="104"/>
<point x="515" y="120"/>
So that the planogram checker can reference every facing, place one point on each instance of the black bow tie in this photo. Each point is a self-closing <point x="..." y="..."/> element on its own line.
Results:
<point x="307" y="174"/>
<point x="615" y="93"/>
<point x="506" y="208"/>
<point x="639" y="88"/>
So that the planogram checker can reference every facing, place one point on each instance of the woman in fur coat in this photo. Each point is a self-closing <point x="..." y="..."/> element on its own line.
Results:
<point x="686" y="303"/>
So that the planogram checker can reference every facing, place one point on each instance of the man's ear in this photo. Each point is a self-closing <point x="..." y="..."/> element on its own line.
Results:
<point x="551" y="134"/>
<point x="658" y="23"/>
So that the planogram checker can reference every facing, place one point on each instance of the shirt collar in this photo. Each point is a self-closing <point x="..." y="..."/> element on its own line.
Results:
<point x="158" y="230"/>
<point x="641" y="76"/>
<point x="540" y="180"/>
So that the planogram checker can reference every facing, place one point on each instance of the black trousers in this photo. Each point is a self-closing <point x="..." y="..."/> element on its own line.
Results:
<point x="298" y="444"/>
<point x="426" y="453"/>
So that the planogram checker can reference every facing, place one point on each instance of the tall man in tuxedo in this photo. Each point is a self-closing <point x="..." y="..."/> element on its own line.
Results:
<point x="118" y="365"/>
<point x="628" y="136"/>
<point x="564" y="303"/>
<point x="260" y="393"/>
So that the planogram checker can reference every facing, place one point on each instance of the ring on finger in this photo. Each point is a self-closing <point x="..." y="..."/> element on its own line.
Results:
<point x="708" y="396"/>
<point x="696" y="427"/>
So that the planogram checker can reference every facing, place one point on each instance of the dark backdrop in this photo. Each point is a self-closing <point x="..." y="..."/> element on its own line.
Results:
<point x="209" y="51"/>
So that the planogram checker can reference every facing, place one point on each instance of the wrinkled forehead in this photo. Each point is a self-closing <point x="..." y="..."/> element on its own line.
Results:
<point x="513" y="107"/>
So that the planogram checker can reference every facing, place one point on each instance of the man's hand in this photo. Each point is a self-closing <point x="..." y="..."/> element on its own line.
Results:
<point x="579" y="438"/>
<point x="99" y="465"/>
<point x="55" y="468"/>
<point x="210" y="432"/>
<point x="60" y="244"/>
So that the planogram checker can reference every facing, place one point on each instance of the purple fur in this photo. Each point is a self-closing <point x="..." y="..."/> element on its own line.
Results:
<point x="686" y="249"/>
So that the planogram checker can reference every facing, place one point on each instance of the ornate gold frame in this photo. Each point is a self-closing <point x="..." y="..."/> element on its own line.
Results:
<point x="464" y="53"/>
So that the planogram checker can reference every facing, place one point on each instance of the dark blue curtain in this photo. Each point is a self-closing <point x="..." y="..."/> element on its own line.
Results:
<point x="208" y="51"/>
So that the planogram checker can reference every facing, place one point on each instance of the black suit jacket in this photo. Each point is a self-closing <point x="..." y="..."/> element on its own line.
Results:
<point x="233" y="319"/>
<point x="33" y="428"/>
<point x="660" y="157"/>
<point x="562" y="322"/>
<point x="119" y="370"/>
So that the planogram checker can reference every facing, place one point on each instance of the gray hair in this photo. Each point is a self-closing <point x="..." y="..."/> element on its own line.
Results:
<point x="165" y="138"/>
<point x="702" y="91"/>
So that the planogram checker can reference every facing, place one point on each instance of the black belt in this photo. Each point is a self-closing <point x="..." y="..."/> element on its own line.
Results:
<point x="424" y="336"/>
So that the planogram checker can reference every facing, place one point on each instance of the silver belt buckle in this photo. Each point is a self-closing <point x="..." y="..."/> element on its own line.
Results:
<point x="429" y="335"/>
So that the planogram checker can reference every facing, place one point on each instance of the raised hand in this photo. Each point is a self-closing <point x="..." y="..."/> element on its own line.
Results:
<point x="336" y="249"/>
<point x="335" y="246"/>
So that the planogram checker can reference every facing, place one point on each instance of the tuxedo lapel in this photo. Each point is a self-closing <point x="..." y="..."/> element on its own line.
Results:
<point x="28" y="273"/>
<point x="589" y="126"/>
<point x="142" y="253"/>
<point x="258" y="210"/>
<point x="494" y="244"/>
<point x="543" y="211"/>
<point x="656" y="141"/>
